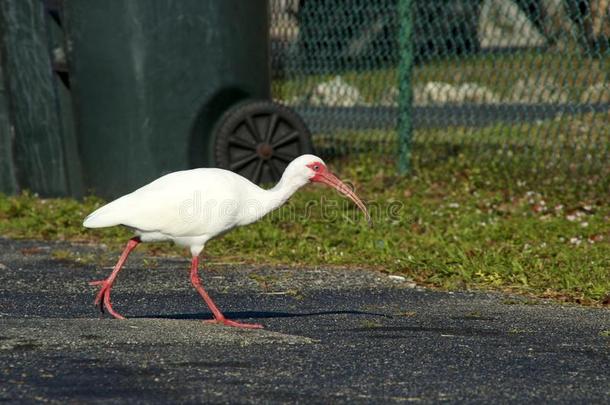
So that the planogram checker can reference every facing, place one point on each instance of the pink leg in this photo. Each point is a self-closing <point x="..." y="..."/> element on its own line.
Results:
<point x="218" y="316"/>
<point x="103" y="296"/>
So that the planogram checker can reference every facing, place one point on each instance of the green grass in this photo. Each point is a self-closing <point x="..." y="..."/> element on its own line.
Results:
<point x="568" y="154"/>
<point x="569" y="69"/>
<point x="453" y="224"/>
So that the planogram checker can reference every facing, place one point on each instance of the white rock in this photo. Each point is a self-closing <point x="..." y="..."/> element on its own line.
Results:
<point x="446" y="93"/>
<point x="475" y="93"/>
<point x="397" y="278"/>
<point x="440" y="93"/>
<point x="335" y="93"/>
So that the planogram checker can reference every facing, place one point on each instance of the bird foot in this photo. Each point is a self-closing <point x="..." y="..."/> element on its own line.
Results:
<point x="102" y="300"/>
<point x="228" y="322"/>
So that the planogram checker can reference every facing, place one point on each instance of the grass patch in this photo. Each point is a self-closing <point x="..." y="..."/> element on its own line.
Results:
<point x="454" y="224"/>
<point x="567" y="153"/>
<point x="74" y="257"/>
<point x="569" y="70"/>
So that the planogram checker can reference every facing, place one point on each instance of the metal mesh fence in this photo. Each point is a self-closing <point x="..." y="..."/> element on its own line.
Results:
<point x="511" y="80"/>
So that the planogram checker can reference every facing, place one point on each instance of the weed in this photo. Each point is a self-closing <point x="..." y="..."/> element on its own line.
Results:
<point x="75" y="257"/>
<point x="265" y="282"/>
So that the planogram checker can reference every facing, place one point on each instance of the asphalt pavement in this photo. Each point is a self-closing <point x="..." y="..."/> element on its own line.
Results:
<point x="331" y="336"/>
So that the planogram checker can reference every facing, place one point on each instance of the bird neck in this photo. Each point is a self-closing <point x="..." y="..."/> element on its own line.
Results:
<point x="282" y="191"/>
<point x="271" y="199"/>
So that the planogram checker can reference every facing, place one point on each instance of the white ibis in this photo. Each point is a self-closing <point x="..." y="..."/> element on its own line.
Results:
<point x="191" y="207"/>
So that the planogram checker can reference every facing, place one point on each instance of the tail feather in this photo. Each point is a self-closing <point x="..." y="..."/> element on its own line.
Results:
<point x="108" y="215"/>
<point x="98" y="221"/>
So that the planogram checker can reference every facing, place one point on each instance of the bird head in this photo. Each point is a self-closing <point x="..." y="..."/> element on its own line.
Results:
<point x="310" y="168"/>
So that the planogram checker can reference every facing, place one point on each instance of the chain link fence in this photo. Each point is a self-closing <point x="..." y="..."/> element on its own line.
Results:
<point x="511" y="80"/>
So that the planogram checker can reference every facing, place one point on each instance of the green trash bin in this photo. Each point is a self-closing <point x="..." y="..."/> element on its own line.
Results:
<point x="151" y="79"/>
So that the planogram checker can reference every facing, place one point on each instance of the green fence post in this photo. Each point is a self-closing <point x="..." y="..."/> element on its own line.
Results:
<point x="405" y="74"/>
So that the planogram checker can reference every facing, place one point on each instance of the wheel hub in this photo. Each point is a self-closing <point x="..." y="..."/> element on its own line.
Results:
<point x="264" y="150"/>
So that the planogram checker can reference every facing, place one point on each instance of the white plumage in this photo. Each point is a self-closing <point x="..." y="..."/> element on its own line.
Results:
<point x="191" y="207"/>
<point x="187" y="207"/>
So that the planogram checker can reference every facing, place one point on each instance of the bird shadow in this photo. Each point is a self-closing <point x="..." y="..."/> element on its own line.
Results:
<point x="260" y="315"/>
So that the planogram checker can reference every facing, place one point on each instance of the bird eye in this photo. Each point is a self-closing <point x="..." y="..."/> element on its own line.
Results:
<point x="316" y="168"/>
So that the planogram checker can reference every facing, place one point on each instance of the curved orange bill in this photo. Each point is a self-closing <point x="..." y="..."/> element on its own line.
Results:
<point x="330" y="179"/>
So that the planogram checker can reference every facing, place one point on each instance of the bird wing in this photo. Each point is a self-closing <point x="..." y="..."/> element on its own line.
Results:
<point x="177" y="204"/>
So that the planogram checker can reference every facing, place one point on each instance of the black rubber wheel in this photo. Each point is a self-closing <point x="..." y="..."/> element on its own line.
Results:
<point x="257" y="139"/>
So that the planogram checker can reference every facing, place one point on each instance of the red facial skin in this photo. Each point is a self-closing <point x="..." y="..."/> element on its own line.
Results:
<point x="323" y="175"/>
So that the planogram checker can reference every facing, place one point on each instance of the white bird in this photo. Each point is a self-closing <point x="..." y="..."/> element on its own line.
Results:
<point x="191" y="207"/>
